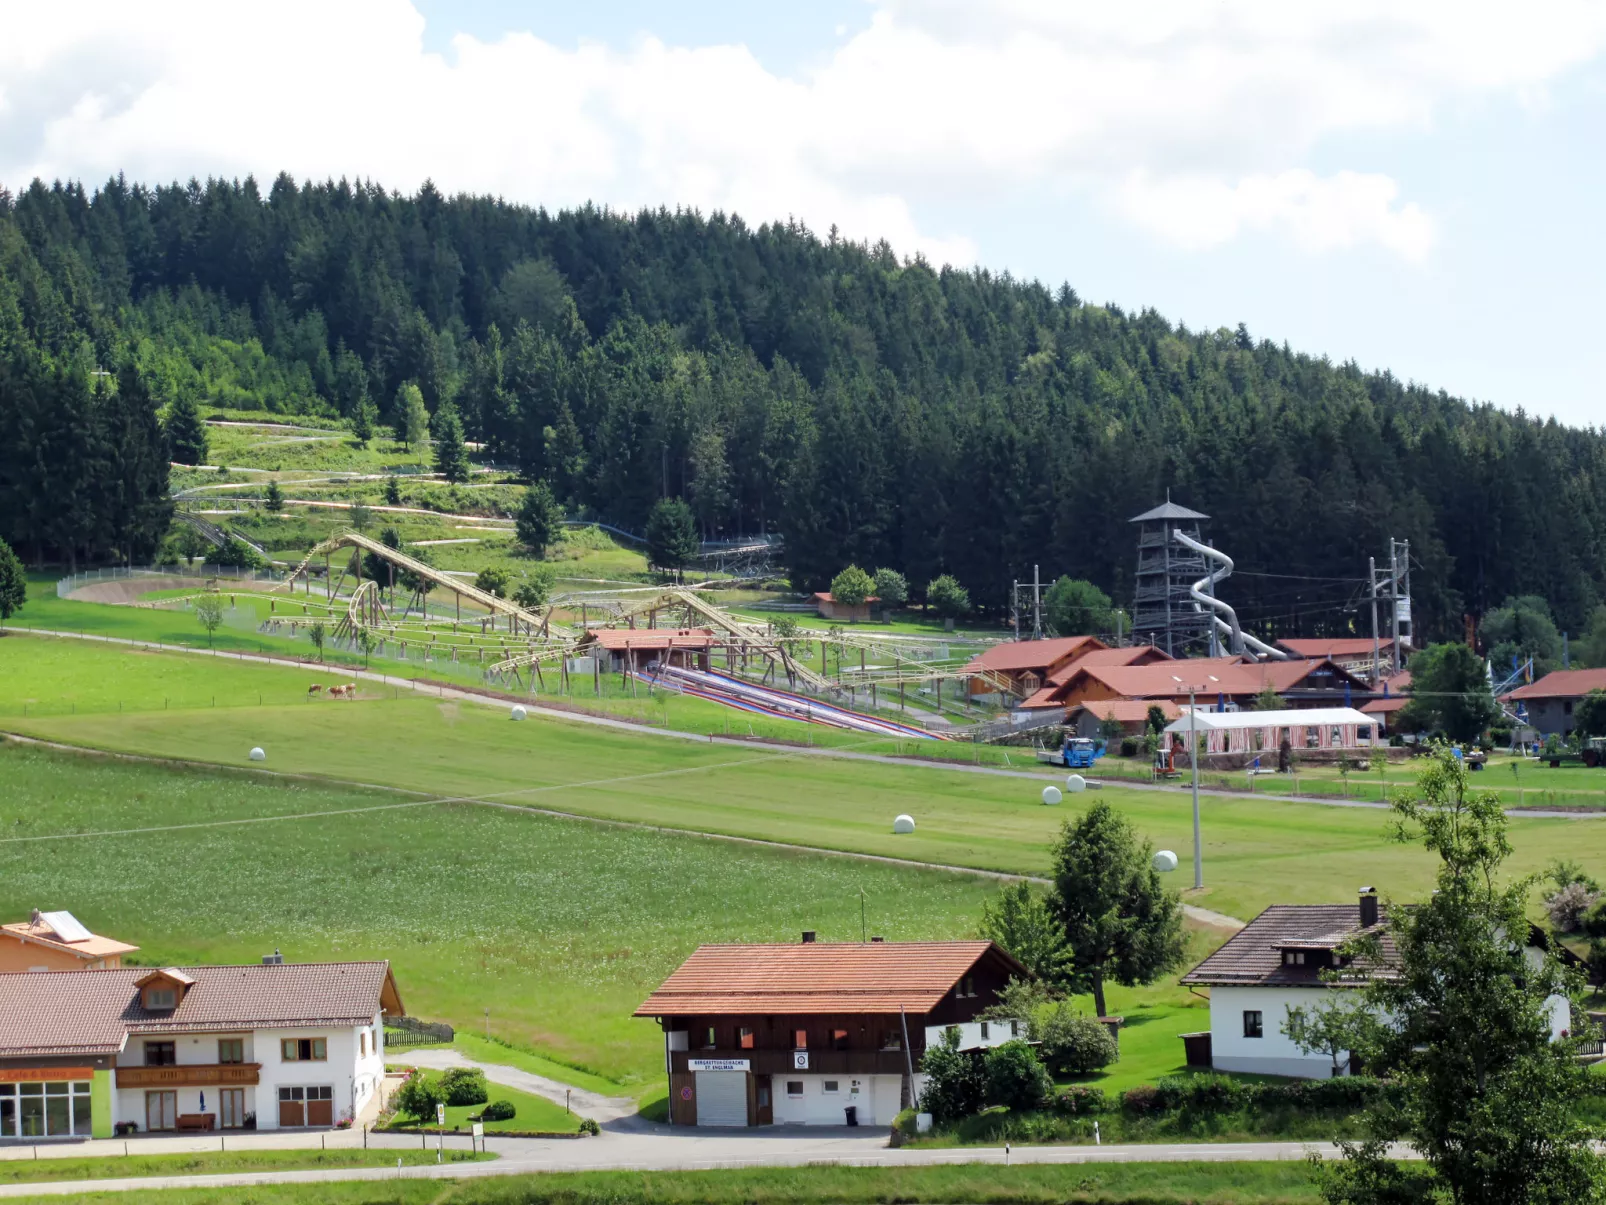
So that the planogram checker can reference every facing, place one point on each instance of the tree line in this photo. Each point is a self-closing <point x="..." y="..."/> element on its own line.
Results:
<point x="874" y="410"/>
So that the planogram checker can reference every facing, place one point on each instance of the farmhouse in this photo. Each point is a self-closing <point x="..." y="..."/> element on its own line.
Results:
<point x="270" y="1046"/>
<point x="1276" y="963"/>
<point x="56" y="941"/>
<point x="818" y="1033"/>
<point x="1550" y="701"/>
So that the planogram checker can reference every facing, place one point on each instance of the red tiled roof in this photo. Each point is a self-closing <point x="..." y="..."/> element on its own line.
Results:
<point x="1340" y="646"/>
<point x="1128" y="711"/>
<point x="1386" y="706"/>
<point x="1563" y="684"/>
<point x="619" y="639"/>
<point x="810" y="978"/>
<point x="1209" y="675"/>
<point x="1041" y="699"/>
<point x="1131" y="655"/>
<point x="93" y="1012"/>
<point x="825" y="596"/>
<point x="1253" y="955"/>
<point x="1014" y="655"/>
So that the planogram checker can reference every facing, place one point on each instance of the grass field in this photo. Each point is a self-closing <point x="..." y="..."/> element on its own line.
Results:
<point x="533" y="1113"/>
<point x="41" y="1171"/>
<point x="1175" y="1183"/>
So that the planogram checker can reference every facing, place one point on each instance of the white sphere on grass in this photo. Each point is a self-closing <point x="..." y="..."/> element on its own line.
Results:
<point x="1075" y="783"/>
<point x="1051" y="795"/>
<point x="1165" y="861"/>
<point x="258" y="755"/>
<point x="518" y="712"/>
<point x="904" y="824"/>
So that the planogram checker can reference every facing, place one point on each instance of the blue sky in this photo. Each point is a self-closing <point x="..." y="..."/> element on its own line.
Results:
<point x="1410" y="185"/>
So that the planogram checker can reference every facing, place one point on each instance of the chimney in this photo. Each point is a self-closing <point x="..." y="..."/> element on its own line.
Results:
<point x="274" y="959"/>
<point x="808" y="937"/>
<point x="875" y="939"/>
<point x="1368" y="907"/>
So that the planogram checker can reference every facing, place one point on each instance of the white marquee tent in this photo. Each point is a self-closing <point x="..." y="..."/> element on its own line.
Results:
<point x="1264" y="731"/>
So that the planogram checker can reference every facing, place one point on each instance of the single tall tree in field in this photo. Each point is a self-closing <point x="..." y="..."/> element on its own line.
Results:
<point x="852" y="586"/>
<point x="1483" y="1088"/>
<point x="363" y="420"/>
<point x="186" y="432"/>
<point x="1120" y="924"/>
<point x="273" y="497"/>
<point x="412" y="420"/>
<point x="13" y="585"/>
<point x="539" y="522"/>
<point x="451" y="457"/>
<point x="671" y="535"/>
<point x="209" y="614"/>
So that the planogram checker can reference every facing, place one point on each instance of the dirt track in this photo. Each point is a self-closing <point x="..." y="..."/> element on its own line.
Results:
<point x="125" y="590"/>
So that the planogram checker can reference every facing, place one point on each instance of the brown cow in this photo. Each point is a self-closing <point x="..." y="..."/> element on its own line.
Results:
<point x="315" y="689"/>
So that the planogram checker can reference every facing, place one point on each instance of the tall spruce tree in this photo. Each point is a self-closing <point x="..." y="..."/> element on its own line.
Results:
<point x="451" y="457"/>
<point x="186" y="431"/>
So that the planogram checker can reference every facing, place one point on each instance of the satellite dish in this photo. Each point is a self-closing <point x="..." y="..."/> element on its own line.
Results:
<point x="1075" y="783"/>
<point x="258" y="755"/>
<point x="518" y="712"/>
<point x="1051" y="796"/>
<point x="1165" y="861"/>
<point x="904" y="824"/>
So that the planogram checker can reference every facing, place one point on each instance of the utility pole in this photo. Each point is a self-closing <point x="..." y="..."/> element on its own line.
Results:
<point x="1037" y="605"/>
<point x="1371" y="577"/>
<point x="1394" y="597"/>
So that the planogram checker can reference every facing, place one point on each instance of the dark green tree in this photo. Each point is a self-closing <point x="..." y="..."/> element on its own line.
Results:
<point x="364" y="418"/>
<point x="1449" y="694"/>
<point x="671" y="535"/>
<point x="13" y="582"/>
<point x="891" y="587"/>
<point x="493" y="579"/>
<point x="1520" y="628"/>
<point x="852" y="586"/>
<point x="1120" y="924"/>
<point x="273" y="496"/>
<point x="186" y="431"/>
<point x="1016" y="1078"/>
<point x="539" y="523"/>
<point x="451" y="457"/>
<point x="1589" y="714"/>
<point x="393" y="494"/>
<point x="955" y="1086"/>
<point x="1023" y="923"/>
<point x="1462" y="1029"/>
<point x="947" y="597"/>
<point x="1072" y="607"/>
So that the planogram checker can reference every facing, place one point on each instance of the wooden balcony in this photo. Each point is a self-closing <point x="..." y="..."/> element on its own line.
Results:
<point x="820" y="1062"/>
<point x="189" y="1075"/>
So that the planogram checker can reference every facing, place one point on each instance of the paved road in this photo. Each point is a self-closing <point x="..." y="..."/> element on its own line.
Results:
<point x="660" y="1149"/>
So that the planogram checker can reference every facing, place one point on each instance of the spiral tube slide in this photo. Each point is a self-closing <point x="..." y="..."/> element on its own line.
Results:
<point x="766" y="700"/>
<point x="1228" y="627"/>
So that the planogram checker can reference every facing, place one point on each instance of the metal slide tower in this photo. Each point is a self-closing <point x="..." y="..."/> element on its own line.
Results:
<point x="1163" y="608"/>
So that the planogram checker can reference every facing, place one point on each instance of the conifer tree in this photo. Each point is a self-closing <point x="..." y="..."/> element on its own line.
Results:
<point x="451" y="457"/>
<point x="186" y="432"/>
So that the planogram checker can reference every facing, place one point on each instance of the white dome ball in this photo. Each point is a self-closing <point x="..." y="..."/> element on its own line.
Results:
<point x="518" y="712"/>
<point x="1075" y="783"/>
<point x="1051" y="795"/>
<point x="1165" y="861"/>
<point x="258" y="755"/>
<point x="904" y="824"/>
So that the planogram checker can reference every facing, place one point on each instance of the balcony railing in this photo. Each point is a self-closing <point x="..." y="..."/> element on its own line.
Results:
<point x="189" y="1075"/>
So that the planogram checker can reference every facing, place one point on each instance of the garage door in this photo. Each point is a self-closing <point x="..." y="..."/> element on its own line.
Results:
<point x="721" y="1098"/>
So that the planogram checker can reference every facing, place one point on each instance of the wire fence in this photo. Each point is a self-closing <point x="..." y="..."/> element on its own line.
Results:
<point x="77" y="581"/>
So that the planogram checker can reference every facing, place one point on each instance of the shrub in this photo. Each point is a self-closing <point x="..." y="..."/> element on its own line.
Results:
<point x="1129" y="746"/>
<point x="588" y="1125"/>
<point x="1078" y="1101"/>
<point x="954" y="1084"/>
<point x="493" y="580"/>
<point x="1201" y="1093"/>
<point x="464" y="1086"/>
<point x="1015" y="1076"/>
<point x="498" y="1110"/>
<point x="419" y="1096"/>
<point x="1073" y="1044"/>
<point x="1567" y="906"/>
<point x="1145" y="1098"/>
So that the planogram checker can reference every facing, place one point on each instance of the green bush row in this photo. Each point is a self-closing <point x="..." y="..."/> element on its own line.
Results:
<point x="1219" y="1094"/>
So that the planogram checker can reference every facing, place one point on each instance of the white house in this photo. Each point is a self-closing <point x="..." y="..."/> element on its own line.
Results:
<point x="1275" y="963"/>
<point x="269" y="1046"/>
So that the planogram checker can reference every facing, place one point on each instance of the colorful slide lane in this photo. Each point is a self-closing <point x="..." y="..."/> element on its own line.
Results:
<point x="782" y="704"/>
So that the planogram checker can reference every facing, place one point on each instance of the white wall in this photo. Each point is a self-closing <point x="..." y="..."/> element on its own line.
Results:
<point x="970" y="1034"/>
<point x="876" y="1098"/>
<point x="1273" y="1053"/>
<point x="339" y="1070"/>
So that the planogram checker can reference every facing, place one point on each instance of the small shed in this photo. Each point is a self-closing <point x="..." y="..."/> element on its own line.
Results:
<point x="1252" y="733"/>
<point x="830" y="608"/>
<point x="638" y="648"/>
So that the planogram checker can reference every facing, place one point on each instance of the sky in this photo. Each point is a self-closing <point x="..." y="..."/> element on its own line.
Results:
<point x="1410" y="185"/>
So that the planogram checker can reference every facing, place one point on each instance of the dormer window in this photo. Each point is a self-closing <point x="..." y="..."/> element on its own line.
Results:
<point x="161" y="999"/>
<point x="163" y="991"/>
<point x="1293" y="958"/>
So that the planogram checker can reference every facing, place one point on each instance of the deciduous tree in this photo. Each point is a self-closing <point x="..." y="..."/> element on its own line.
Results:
<point x="1449" y="694"/>
<point x="852" y="586"/>
<point x="1073" y="607"/>
<point x="13" y="583"/>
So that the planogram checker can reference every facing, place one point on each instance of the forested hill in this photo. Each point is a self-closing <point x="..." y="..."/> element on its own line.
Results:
<point x="874" y="410"/>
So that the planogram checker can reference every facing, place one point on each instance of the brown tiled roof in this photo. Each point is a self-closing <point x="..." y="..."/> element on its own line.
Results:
<point x="1016" y="655"/>
<point x="1563" y="684"/>
<point x="652" y="638"/>
<point x="1341" y="646"/>
<point x="1385" y="706"/>
<point x="1209" y="675"/>
<point x="1128" y="711"/>
<point x="1136" y="654"/>
<point x="818" y="977"/>
<point x="1252" y="957"/>
<point x="90" y="1012"/>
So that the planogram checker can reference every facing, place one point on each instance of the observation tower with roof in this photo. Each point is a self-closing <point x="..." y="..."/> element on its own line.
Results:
<point x="1163" y="612"/>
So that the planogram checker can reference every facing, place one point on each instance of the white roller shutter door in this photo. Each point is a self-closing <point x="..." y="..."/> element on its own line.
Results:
<point x="721" y="1098"/>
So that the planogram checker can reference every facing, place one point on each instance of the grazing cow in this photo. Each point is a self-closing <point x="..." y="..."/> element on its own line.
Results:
<point x="315" y="689"/>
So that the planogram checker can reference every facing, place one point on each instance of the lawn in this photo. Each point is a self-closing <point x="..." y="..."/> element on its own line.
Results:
<point x="559" y="927"/>
<point x="533" y="1113"/>
<point x="1164" y="1183"/>
<point x="203" y="1163"/>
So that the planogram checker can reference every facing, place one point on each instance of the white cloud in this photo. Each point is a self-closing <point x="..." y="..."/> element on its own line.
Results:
<point x="1193" y="121"/>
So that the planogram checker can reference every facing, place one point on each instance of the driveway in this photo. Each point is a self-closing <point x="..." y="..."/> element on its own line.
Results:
<point x="587" y="1104"/>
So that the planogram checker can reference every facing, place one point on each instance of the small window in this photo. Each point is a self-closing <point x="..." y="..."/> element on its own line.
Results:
<point x="159" y="999"/>
<point x="1014" y="1029"/>
<point x="800" y="1039"/>
<point x="794" y="1087"/>
<point x="710" y="1044"/>
<point x="1253" y="1026"/>
<point x="744" y="1038"/>
<point x="986" y="1031"/>
<point x="160" y="1054"/>
<point x="1567" y="707"/>
<point x="362" y="1044"/>
<point x="831" y="1087"/>
<point x="1293" y="958"/>
<point x="231" y="1050"/>
<point x="892" y="1040"/>
<point x="301" y="1050"/>
<point x="967" y="986"/>
<point x="839" y="1039"/>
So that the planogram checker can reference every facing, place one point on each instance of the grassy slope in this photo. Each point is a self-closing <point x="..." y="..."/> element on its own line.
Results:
<point x="984" y="1184"/>
<point x="535" y="1113"/>
<point x="38" y="1171"/>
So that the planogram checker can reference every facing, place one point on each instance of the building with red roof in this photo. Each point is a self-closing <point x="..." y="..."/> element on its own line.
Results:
<point x="1550" y="701"/>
